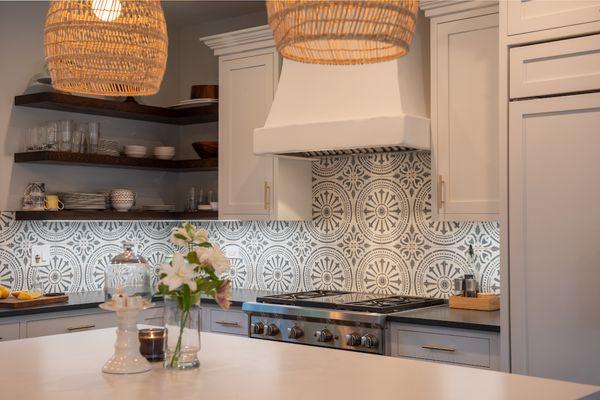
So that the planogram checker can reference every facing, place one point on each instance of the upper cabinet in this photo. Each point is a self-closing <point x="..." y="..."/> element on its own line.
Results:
<point x="254" y="187"/>
<point x="464" y="113"/>
<point x="525" y="16"/>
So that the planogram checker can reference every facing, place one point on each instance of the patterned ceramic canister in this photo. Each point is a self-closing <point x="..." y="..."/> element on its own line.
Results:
<point x="34" y="196"/>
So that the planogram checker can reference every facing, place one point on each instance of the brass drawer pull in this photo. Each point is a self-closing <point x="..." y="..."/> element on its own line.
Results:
<point x="267" y="196"/>
<point x="227" y="323"/>
<point x="441" y="192"/>
<point x="80" y="327"/>
<point x="436" y="347"/>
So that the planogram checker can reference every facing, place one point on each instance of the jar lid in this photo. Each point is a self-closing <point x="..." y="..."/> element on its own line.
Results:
<point x="128" y="256"/>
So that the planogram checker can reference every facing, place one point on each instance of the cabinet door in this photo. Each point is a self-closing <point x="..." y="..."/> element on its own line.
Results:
<point x="538" y="15"/>
<point x="247" y="87"/>
<point x="554" y="236"/>
<point x="465" y="119"/>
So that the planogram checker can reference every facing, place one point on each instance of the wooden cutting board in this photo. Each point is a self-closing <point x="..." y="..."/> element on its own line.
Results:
<point x="483" y="302"/>
<point x="11" y="302"/>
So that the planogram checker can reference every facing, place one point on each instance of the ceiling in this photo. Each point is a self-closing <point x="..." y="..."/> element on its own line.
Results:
<point x="179" y="13"/>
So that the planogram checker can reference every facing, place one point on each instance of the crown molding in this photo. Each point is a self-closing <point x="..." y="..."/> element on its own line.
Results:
<point x="437" y="8"/>
<point x="256" y="38"/>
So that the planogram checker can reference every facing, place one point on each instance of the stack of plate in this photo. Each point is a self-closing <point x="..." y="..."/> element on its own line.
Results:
<point x="195" y="103"/>
<point x="84" y="201"/>
<point x="164" y="152"/>
<point x="108" y="147"/>
<point x="132" y="150"/>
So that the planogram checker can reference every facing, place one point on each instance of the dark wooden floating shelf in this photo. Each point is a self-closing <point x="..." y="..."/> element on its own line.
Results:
<point x="119" y="109"/>
<point x="68" y="215"/>
<point x="99" y="160"/>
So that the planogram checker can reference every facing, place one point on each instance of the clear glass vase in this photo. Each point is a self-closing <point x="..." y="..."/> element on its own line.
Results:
<point x="183" y="335"/>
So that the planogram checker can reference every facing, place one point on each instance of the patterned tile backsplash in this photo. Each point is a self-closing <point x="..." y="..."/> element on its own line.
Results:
<point x="371" y="231"/>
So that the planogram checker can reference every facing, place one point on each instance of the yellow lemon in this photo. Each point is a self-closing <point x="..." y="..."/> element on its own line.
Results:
<point x="4" y="292"/>
<point x="25" y="296"/>
<point x="36" y="294"/>
<point x="16" y="293"/>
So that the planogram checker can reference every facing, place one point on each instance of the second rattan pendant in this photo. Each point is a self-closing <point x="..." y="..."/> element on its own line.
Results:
<point x="342" y="31"/>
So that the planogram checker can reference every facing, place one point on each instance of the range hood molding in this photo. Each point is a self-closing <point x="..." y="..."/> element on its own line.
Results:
<point x="327" y="109"/>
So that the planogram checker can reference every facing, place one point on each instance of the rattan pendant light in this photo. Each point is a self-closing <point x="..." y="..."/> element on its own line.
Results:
<point x="106" y="47"/>
<point x="342" y="31"/>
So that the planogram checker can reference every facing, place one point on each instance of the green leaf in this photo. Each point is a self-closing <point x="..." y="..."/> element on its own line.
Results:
<point x="180" y="236"/>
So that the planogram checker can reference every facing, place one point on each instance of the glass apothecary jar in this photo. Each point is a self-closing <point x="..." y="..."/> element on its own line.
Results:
<point x="128" y="273"/>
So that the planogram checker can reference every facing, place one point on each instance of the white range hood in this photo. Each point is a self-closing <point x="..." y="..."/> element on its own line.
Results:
<point x="324" y="109"/>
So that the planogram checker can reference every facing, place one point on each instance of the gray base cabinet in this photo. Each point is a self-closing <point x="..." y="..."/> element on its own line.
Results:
<point x="449" y="345"/>
<point x="233" y="321"/>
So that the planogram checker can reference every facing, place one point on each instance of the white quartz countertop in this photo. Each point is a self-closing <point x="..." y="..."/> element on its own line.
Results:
<point x="69" y="367"/>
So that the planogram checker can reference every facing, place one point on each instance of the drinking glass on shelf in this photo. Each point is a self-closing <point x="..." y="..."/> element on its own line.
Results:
<point x="40" y="141"/>
<point x="76" y="141"/>
<point x="31" y="139"/>
<point x="93" y="135"/>
<point x="65" y="132"/>
<point x="52" y="136"/>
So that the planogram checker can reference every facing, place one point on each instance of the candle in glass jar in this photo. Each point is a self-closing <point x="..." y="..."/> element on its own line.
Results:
<point x="152" y="342"/>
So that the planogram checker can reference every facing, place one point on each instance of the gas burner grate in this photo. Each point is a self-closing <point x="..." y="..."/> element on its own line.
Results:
<point x="292" y="298"/>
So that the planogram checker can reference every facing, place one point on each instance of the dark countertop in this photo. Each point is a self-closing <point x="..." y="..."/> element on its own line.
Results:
<point x="450" y="317"/>
<point x="433" y="316"/>
<point x="83" y="300"/>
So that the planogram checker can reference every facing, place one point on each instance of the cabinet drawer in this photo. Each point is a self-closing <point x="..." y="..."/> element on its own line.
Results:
<point x="526" y="16"/>
<point x="9" y="332"/>
<point x="563" y="66"/>
<point x="235" y="322"/>
<point x="53" y="326"/>
<point x="467" y="350"/>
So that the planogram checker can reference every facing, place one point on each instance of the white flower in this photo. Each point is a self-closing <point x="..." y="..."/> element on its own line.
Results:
<point x="180" y="237"/>
<point x="213" y="257"/>
<point x="178" y="273"/>
<point x="200" y="236"/>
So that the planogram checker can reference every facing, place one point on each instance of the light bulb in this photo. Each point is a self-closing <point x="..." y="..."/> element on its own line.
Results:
<point x="106" y="10"/>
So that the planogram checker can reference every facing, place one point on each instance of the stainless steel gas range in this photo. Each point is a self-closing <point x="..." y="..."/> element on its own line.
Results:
<point x="341" y="320"/>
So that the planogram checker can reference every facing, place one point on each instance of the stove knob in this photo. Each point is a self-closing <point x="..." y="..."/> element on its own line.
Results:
<point x="369" y="341"/>
<point x="271" y="330"/>
<point x="353" y="339"/>
<point x="257" y="328"/>
<point x="294" y="332"/>
<point x="324" y="335"/>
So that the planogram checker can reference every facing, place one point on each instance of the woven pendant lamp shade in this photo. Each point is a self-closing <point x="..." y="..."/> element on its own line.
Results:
<point x="106" y="47"/>
<point x="342" y="31"/>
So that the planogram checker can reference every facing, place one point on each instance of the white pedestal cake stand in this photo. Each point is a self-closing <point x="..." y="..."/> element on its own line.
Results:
<point x="127" y="358"/>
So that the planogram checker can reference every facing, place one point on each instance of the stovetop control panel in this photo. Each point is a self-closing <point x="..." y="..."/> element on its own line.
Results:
<point x="323" y="334"/>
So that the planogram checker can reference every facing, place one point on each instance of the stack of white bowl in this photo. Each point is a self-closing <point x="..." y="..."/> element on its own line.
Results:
<point x="122" y="199"/>
<point x="164" y="152"/>
<point x="135" y="151"/>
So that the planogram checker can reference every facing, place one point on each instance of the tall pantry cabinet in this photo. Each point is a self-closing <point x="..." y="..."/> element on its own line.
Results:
<point x="552" y="94"/>
<point x="464" y="109"/>
<point x="253" y="187"/>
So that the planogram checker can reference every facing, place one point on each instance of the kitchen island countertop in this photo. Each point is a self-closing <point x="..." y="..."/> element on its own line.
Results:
<point x="68" y="366"/>
<point x="83" y="300"/>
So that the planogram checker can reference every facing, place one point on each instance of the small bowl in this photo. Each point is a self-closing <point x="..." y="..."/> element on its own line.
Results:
<point x="164" y="150"/>
<point x="207" y="149"/>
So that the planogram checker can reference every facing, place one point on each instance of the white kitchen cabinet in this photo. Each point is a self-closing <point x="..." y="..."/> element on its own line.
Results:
<point x="9" y="331"/>
<point x="448" y="345"/>
<point x="254" y="187"/>
<point x="464" y="115"/>
<point x="526" y="16"/>
<point x="68" y="322"/>
<point x="557" y="67"/>
<point x="554" y="237"/>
